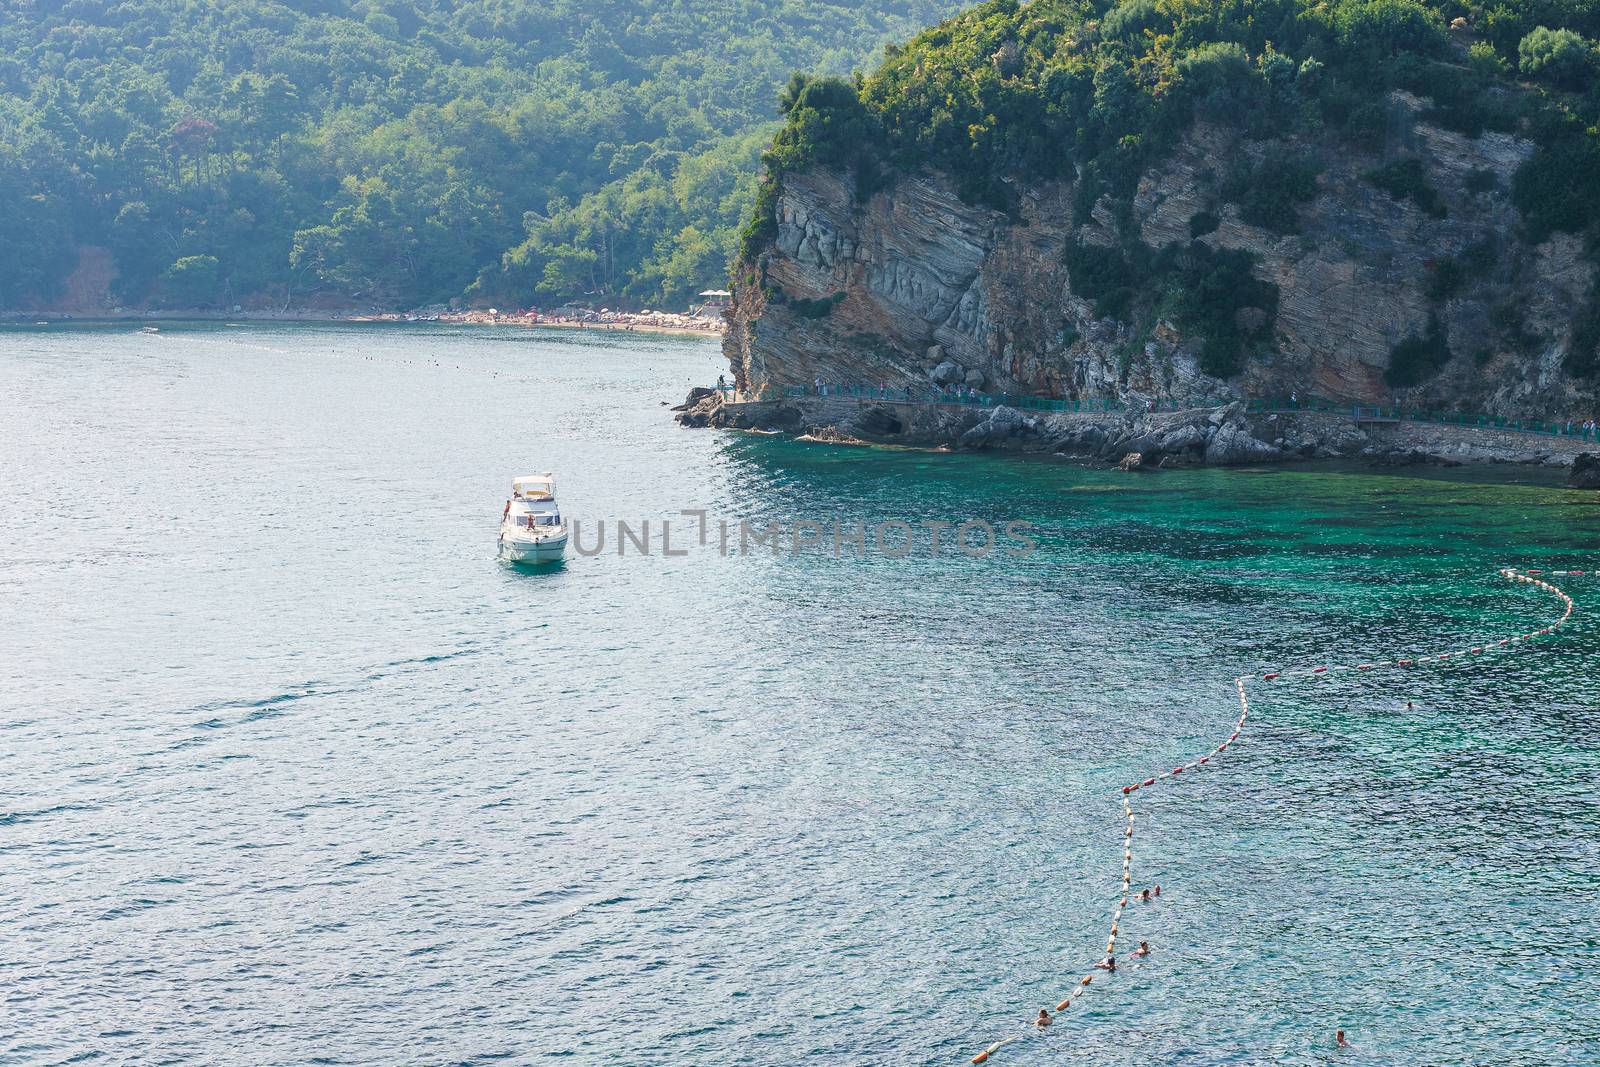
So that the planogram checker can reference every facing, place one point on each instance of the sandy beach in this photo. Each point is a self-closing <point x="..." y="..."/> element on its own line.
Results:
<point x="632" y="322"/>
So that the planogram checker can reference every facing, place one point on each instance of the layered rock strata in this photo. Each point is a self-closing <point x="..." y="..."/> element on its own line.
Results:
<point x="913" y="287"/>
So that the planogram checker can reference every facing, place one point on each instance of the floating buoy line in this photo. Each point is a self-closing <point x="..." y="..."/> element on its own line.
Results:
<point x="1081" y="987"/>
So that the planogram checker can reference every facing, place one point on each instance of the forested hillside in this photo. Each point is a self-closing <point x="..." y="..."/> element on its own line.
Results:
<point x="1009" y="97"/>
<point x="399" y="152"/>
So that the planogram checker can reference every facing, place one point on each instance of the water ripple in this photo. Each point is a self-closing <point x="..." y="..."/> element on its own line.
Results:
<point x="298" y="774"/>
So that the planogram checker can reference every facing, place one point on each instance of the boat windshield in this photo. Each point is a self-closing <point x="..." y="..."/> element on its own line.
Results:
<point x="547" y="518"/>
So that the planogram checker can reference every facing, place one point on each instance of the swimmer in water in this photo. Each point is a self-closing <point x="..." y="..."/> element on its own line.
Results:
<point x="1108" y="964"/>
<point x="1144" y="894"/>
<point x="1044" y="1019"/>
<point x="1338" y="1039"/>
<point x="1142" y="950"/>
<point x="1158" y="889"/>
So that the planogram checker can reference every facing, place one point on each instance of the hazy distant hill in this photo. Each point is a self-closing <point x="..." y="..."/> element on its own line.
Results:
<point x="398" y="151"/>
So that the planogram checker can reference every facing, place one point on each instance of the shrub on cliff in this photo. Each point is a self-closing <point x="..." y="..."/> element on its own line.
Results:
<point x="1215" y="68"/>
<point x="1560" y="57"/>
<point x="1558" y="188"/>
<point x="1214" y="294"/>
<point x="762" y="227"/>
<point x="1406" y="180"/>
<point x="827" y="125"/>
<point x="1101" y="274"/>
<point x="1416" y="359"/>
<point x="1211" y="293"/>
<point x="1445" y="279"/>
<point x="815" y="307"/>
<point x="1269" y="192"/>
<point x="1583" y="351"/>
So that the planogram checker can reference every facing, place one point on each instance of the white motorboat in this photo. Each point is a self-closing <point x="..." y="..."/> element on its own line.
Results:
<point x="531" y="530"/>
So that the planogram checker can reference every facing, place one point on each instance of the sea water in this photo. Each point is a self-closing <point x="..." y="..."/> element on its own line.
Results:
<point x="296" y="771"/>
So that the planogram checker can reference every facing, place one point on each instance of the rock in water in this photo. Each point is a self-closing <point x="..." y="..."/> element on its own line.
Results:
<point x="1231" y="445"/>
<point x="699" y="408"/>
<point x="1182" y="439"/>
<point x="1131" y="462"/>
<point x="696" y="395"/>
<point x="1585" y="472"/>
<point x="1005" y="427"/>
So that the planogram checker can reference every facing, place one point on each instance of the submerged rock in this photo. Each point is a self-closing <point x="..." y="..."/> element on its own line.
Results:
<point x="1585" y="471"/>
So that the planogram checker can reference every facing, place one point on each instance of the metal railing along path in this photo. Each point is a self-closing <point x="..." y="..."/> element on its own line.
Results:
<point x="1357" y="413"/>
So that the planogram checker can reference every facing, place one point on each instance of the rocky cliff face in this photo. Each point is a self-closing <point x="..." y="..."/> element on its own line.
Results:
<point x="911" y="286"/>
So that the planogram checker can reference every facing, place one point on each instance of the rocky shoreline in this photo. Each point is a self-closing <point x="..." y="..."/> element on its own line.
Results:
<point x="1225" y="435"/>
<point x="913" y="289"/>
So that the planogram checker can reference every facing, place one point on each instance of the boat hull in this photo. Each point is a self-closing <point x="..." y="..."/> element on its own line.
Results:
<point x="526" y="550"/>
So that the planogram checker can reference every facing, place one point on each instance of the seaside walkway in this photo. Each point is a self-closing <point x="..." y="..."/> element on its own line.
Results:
<point x="1359" y="414"/>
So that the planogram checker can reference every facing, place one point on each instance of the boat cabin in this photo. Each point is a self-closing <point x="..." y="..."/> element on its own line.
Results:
<point x="534" y="487"/>
<point x="533" y="501"/>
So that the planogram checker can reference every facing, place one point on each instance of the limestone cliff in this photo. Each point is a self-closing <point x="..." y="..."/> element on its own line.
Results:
<point x="910" y="285"/>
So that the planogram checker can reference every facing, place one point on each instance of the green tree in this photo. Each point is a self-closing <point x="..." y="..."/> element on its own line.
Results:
<point x="1560" y="57"/>
<point x="388" y="150"/>
<point x="193" y="281"/>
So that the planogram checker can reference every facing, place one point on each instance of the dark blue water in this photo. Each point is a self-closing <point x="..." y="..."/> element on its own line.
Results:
<point x="297" y="772"/>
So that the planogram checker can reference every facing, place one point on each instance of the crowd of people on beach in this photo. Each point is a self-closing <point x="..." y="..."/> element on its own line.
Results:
<point x="584" y="318"/>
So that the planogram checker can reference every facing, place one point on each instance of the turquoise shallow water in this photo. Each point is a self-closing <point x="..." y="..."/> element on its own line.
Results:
<point x="297" y="772"/>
